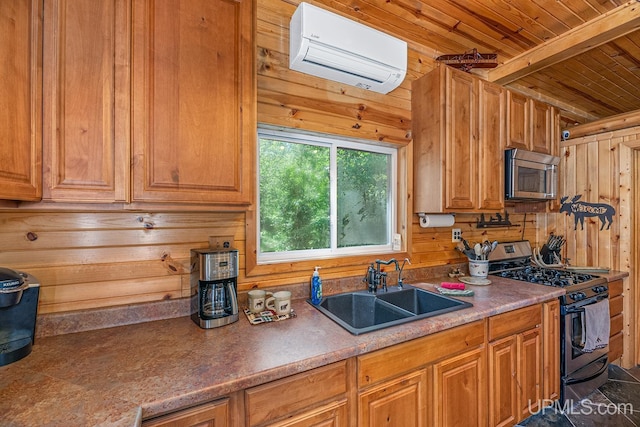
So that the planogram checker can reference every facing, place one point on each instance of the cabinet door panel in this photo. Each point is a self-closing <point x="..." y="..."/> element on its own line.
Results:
<point x="400" y="402"/>
<point x="193" y="101"/>
<point x="20" y="103"/>
<point x="551" y="350"/>
<point x="530" y="372"/>
<point x="491" y="133"/>
<point x="215" y="414"/>
<point x="503" y="398"/>
<point x="86" y="107"/>
<point x="332" y="415"/>
<point x="460" y="391"/>
<point x="541" y="121"/>
<point x="517" y="121"/>
<point x="461" y="170"/>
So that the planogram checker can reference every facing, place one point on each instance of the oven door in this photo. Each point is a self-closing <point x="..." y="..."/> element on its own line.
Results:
<point x="573" y="334"/>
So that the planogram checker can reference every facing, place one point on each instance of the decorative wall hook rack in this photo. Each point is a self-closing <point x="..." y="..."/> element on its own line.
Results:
<point x="500" y="220"/>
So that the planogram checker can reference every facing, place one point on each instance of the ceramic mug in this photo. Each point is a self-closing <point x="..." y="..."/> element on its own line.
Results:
<point x="256" y="300"/>
<point x="280" y="302"/>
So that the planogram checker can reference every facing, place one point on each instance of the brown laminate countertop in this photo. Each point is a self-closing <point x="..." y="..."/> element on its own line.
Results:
<point x="121" y="375"/>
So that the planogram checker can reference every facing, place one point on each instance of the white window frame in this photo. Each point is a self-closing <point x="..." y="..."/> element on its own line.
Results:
<point x="333" y="142"/>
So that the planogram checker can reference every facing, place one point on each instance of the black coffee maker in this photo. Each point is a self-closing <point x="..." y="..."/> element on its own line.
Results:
<point x="19" y="294"/>
<point x="214" y="277"/>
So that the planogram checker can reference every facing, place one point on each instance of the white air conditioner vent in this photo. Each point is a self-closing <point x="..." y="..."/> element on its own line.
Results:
<point x="330" y="46"/>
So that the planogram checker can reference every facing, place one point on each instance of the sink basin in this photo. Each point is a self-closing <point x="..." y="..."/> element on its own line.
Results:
<point x="359" y="312"/>
<point x="419" y="301"/>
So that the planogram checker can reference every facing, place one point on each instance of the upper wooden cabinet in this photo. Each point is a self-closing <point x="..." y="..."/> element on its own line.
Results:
<point x="86" y="100"/>
<point x="458" y="137"/>
<point x="142" y="102"/>
<point x="193" y="101"/>
<point x="530" y="124"/>
<point x="20" y="99"/>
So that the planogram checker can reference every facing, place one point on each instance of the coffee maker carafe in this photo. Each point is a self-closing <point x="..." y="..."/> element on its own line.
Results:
<point x="214" y="277"/>
<point x="18" y="308"/>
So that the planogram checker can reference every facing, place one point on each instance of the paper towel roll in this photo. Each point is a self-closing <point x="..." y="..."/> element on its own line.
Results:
<point x="427" y="221"/>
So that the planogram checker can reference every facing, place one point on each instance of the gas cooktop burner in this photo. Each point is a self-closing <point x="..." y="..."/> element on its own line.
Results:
<point x="545" y="276"/>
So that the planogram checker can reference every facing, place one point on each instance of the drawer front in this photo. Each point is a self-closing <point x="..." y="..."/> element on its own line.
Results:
<point x="617" y="323"/>
<point x="615" y="288"/>
<point x="615" y="305"/>
<point x="289" y="395"/>
<point x="513" y="322"/>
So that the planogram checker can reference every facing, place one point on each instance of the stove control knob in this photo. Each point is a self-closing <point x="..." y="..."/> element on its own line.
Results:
<point x="582" y="295"/>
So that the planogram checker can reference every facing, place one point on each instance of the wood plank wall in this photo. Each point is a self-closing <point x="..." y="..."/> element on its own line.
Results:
<point x="603" y="169"/>
<point x="96" y="259"/>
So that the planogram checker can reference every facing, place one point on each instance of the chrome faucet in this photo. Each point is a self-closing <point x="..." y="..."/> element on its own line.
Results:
<point x="400" y="283"/>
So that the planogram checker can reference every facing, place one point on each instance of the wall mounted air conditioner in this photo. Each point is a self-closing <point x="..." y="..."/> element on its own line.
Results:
<point x="330" y="46"/>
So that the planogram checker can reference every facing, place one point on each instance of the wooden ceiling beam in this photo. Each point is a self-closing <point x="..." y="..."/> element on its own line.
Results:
<point x="607" y="27"/>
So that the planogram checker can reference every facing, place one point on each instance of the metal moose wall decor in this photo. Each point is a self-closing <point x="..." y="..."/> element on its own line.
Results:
<point x="581" y="210"/>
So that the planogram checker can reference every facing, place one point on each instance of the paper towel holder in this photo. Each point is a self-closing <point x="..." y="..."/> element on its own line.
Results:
<point x="436" y="220"/>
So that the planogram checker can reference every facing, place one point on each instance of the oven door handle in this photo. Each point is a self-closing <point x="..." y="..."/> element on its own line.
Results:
<point x="605" y="366"/>
<point x="581" y="308"/>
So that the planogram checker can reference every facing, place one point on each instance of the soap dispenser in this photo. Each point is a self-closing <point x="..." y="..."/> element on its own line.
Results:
<point x="316" y="287"/>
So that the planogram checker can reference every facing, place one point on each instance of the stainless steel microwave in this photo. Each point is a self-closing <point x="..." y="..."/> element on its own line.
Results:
<point x="530" y="175"/>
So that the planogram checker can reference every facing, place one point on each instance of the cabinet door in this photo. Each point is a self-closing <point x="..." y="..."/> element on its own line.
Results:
<point x="503" y="395"/>
<point x="551" y="350"/>
<point x="86" y="100"/>
<point x="517" y="121"/>
<point x="20" y="103"/>
<point x="529" y="375"/>
<point x="214" y="414"/>
<point x="399" y="402"/>
<point x="461" y="141"/>
<point x="541" y="124"/>
<point x="460" y="390"/>
<point x="491" y="134"/>
<point x="193" y="101"/>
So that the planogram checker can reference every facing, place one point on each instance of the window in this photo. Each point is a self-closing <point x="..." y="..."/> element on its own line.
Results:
<point x="322" y="195"/>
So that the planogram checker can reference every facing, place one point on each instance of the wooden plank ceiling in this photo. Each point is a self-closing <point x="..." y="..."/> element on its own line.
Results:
<point x="580" y="55"/>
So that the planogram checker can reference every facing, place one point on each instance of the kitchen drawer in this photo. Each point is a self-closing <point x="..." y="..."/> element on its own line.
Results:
<point x="615" y="288"/>
<point x="617" y="323"/>
<point x="615" y="305"/>
<point x="389" y="362"/>
<point x="615" y="347"/>
<point x="289" y="395"/>
<point x="513" y="322"/>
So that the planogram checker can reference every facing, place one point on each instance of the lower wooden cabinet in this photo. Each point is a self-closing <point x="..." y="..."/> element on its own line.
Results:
<point x="503" y="400"/>
<point x="492" y="372"/>
<point x="551" y="350"/>
<point x="400" y="402"/>
<point x="214" y="414"/>
<point x="460" y="390"/>
<point x="298" y="399"/>
<point x="529" y="374"/>
<point x="616" y="305"/>
<point x="335" y="414"/>
<point x="515" y="365"/>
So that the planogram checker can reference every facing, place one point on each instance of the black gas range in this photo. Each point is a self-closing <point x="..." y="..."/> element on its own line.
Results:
<point x="513" y="261"/>
<point x="582" y="370"/>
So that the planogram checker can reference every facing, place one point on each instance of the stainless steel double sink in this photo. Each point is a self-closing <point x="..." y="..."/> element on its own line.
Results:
<point x="360" y="311"/>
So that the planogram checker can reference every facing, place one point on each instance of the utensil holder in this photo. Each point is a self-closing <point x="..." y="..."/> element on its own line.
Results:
<point x="479" y="268"/>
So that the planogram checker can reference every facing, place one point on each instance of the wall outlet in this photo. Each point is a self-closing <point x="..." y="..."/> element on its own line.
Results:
<point x="456" y="235"/>
<point x="221" y="242"/>
<point x="396" y="244"/>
